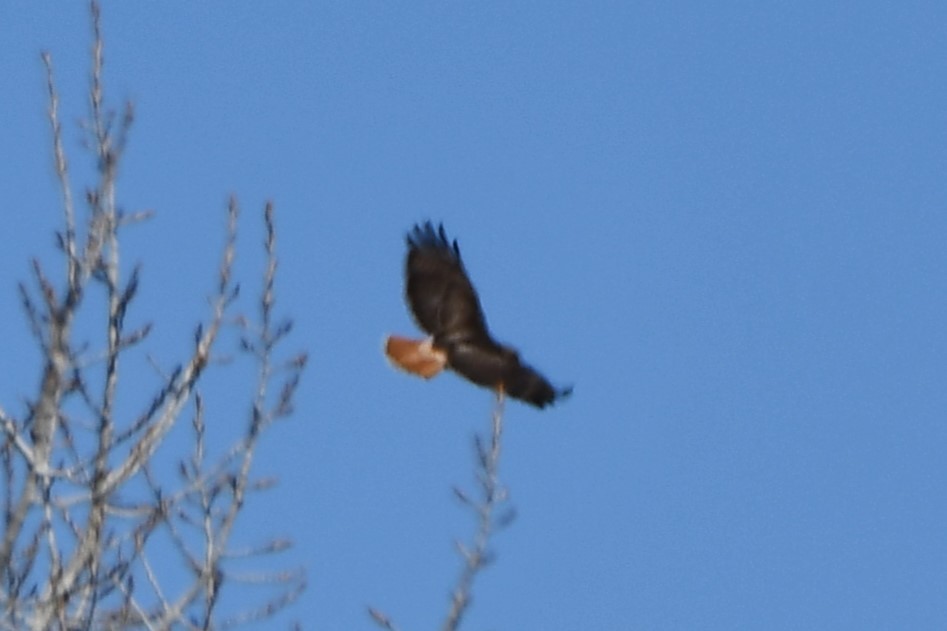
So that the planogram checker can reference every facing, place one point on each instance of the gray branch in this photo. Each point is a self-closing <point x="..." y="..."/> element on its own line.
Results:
<point x="85" y="494"/>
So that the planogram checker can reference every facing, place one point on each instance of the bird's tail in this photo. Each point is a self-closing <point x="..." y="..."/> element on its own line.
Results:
<point x="418" y="357"/>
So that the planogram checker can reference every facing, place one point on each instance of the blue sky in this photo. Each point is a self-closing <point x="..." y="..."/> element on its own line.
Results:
<point x="725" y="223"/>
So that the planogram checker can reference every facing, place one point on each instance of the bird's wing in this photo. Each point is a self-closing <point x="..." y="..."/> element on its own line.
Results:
<point x="500" y="368"/>
<point x="525" y="383"/>
<point x="441" y="296"/>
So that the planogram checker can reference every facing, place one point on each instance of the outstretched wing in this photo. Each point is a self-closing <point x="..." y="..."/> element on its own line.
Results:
<point x="441" y="296"/>
<point x="445" y="305"/>
<point x="499" y="367"/>
<point x="526" y="384"/>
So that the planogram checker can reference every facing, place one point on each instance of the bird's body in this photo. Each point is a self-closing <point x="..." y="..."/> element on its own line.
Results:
<point x="445" y="305"/>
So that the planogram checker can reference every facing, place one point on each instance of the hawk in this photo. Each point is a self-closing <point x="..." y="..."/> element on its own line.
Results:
<point x="445" y="305"/>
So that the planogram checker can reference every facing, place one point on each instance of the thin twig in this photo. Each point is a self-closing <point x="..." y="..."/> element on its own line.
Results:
<point x="493" y="494"/>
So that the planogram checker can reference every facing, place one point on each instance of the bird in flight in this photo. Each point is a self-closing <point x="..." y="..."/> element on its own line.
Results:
<point x="445" y="305"/>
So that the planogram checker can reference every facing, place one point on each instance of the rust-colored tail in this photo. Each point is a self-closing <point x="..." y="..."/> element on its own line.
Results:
<point x="418" y="357"/>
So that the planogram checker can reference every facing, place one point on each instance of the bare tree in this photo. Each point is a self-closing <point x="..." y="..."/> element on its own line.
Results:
<point x="89" y="514"/>
<point x="489" y="507"/>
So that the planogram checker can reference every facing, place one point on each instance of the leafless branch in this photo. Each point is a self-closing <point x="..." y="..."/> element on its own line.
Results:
<point x="382" y="620"/>
<point x="86" y="508"/>
<point x="486" y="507"/>
<point x="493" y="495"/>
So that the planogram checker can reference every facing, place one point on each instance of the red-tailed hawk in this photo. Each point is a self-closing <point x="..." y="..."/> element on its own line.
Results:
<point x="445" y="305"/>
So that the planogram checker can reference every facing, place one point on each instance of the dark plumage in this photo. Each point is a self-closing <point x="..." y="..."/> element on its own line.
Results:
<point x="445" y="305"/>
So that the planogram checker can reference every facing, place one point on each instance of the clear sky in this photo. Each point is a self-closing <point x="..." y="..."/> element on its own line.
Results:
<point x="725" y="223"/>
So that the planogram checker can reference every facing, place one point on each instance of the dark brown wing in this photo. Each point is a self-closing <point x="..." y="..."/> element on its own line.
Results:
<point x="440" y="294"/>
<point x="523" y="382"/>
<point x="499" y="367"/>
<point x="445" y="304"/>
